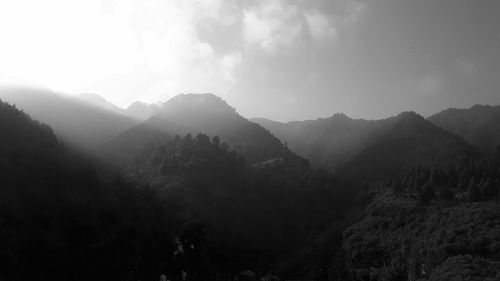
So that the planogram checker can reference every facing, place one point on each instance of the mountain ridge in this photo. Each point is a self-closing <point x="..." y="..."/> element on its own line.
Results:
<point x="205" y="114"/>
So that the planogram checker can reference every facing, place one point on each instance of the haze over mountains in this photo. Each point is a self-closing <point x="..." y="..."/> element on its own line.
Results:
<point x="203" y="189"/>
<point x="92" y="123"/>
<point x="77" y="121"/>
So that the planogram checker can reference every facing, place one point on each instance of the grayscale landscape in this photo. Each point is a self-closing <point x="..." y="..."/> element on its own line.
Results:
<point x="214" y="140"/>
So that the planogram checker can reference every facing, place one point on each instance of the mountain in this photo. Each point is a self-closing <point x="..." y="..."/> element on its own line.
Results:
<point x="200" y="113"/>
<point x="479" y="125"/>
<point x="98" y="101"/>
<point x="409" y="141"/>
<point x="370" y="148"/>
<point x="74" y="121"/>
<point x="326" y="142"/>
<point x="54" y="210"/>
<point x="142" y="111"/>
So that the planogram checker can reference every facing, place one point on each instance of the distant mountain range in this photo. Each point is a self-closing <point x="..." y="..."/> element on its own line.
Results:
<point x="235" y="193"/>
<point x="371" y="149"/>
<point x="335" y="143"/>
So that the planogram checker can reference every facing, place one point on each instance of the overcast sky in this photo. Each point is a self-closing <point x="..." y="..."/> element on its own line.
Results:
<point x="280" y="59"/>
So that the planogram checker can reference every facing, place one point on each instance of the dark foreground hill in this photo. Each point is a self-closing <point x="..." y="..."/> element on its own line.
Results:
<point x="59" y="222"/>
<point x="479" y="125"/>
<point x="400" y="239"/>
<point x="252" y="215"/>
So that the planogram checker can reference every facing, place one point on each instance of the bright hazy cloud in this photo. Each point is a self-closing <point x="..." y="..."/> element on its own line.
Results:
<point x="315" y="57"/>
<point x="139" y="50"/>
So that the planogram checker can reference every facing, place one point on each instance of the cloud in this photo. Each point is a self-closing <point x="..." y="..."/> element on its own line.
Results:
<point x="467" y="68"/>
<point x="429" y="85"/>
<point x="354" y="10"/>
<point x="143" y="50"/>
<point x="319" y="26"/>
<point x="272" y="25"/>
<point x="229" y="63"/>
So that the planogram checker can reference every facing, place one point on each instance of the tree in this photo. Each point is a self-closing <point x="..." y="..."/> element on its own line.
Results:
<point x="463" y="182"/>
<point x="489" y="189"/>
<point x="216" y="141"/>
<point x="446" y="194"/>
<point x="427" y="193"/>
<point x="397" y="186"/>
<point x="473" y="193"/>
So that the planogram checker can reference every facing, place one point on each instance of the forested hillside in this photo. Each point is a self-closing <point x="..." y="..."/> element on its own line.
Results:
<point x="433" y="224"/>
<point x="326" y="142"/>
<point x="410" y="141"/>
<point x="253" y="215"/>
<point x="206" y="114"/>
<point x="479" y="125"/>
<point x="58" y="221"/>
<point x="208" y="192"/>
<point x="370" y="149"/>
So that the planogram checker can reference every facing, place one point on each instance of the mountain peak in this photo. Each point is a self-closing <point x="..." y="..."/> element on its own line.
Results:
<point x="205" y="99"/>
<point x="409" y="114"/>
<point x="340" y="116"/>
<point x="199" y="103"/>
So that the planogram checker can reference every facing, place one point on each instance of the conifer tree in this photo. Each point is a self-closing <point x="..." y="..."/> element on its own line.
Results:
<point x="473" y="193"/>
<point x="426" y="193"/>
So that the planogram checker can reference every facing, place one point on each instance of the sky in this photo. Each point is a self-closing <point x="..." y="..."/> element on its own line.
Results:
<point x="279" y="59"/>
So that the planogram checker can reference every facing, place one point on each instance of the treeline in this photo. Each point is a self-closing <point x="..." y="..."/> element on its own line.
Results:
<point x="468" y="180"/>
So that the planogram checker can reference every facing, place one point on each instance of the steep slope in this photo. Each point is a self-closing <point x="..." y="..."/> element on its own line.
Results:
<point x="206" y="114"/>
<point x="100" y="102"/>
<point x="76" y="122"/>
<point x="479" y="125"/>
<point x="54" y="210"/>
<point x="409" y="141"/>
